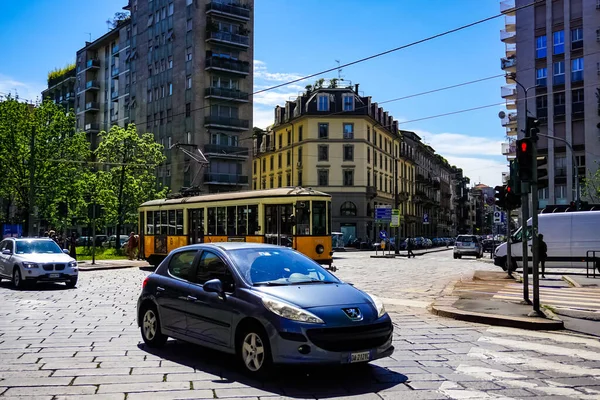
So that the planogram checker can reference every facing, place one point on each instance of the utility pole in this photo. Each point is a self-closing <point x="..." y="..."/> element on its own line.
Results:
<point x="397" y="205"/>
<point x="534" y="219"/>
<point x="31" y="220"/>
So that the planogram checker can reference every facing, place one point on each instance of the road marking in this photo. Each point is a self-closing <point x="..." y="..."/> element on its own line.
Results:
<point x="454" y="391"/>
<point x="542" y="348"/>
<point x="557" y="337"/>
<point x="405" y="302"/>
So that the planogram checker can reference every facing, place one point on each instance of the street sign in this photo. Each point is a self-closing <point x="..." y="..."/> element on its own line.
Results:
<point x="425" y="219"/>
<point x="497" y="217"/>
<point x="382" y="235"/>
<point x="383" y="213"/>
<point x="395" y="218"/>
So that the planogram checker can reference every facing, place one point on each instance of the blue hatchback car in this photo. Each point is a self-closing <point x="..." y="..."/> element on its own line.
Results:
<point x="265" y="304"/>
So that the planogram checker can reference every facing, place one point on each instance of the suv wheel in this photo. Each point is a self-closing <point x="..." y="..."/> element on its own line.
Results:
<point x="71" y="283"/>
<point x="17" y="279"/>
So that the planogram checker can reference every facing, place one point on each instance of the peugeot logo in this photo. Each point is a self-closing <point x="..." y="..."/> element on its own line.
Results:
<point x="353" y="313"/>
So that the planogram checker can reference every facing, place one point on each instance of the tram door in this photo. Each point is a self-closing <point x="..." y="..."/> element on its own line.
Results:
<point x="278" y="224"/>
<point x="196" y="225"/>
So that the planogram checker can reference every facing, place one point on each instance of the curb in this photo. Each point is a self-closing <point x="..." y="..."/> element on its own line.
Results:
<point x="494" y="319"/>
<point x="571" y="281"/>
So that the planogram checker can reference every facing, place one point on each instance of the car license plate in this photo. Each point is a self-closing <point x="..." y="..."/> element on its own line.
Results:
<point x="359" y="357"/>
<point x="54" y="275"/>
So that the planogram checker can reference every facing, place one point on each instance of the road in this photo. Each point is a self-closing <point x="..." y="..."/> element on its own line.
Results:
<point x="83" y="343"/>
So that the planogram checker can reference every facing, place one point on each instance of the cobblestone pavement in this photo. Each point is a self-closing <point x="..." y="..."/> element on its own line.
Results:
<point x="83" y="343"/>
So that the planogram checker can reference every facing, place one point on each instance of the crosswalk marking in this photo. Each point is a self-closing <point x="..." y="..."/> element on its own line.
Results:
<point x="543" y="348"/>
<point x="556" y="337"/>
<point x="455" y="391"/>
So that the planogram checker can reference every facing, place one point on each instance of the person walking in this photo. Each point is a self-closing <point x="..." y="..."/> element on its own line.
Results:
<point x="131" y="245"/>
<point x="409" y="247"/>
<point x="542" y="253"/>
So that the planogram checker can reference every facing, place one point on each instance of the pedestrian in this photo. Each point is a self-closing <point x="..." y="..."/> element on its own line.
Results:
<point x="542" y="253"/>
<point x="131" y="245"/>
<point x="409" y="247"/>
<point x="73" y="246"/>
<point x="138" y="248"/>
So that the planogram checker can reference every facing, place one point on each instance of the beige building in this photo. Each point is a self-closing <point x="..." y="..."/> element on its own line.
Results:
<point x="336" y="141"/>
<point x="553" y="51"/>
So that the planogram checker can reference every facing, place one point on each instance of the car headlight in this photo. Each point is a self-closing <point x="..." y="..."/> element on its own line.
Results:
<point x="30" y="265"/>
<point x="73" y="264"/>
<point x="378" y="305"/>
<point x="288" y="311"/>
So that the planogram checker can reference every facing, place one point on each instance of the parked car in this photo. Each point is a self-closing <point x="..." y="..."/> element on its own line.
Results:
<point x="468" y="245"/>
<point x="29" y="260"/>
<point x="489" y="245"/>
<point x="265" y="304"/>
<point x="110" y="243"/>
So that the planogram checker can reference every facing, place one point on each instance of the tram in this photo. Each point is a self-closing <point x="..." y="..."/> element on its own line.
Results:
<point x="290" y="216"/>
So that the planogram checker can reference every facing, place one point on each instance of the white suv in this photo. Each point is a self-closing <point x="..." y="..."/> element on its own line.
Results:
<point x="27" y="260"/>
<point x="468" y="245"/>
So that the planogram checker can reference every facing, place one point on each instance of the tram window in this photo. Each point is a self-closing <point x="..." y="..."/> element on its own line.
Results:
<point x="329" y="221"/>
<point x="319" y="217"/>
<point x="212" y="221"/>
<point x="270" y="219"/>
<point x="231" y="221"/>
<point x="171" y="230"/>
<point x="149" y="222"/>
<point x="286" y="219"/>
<point x="163" y="223"/>
<point x="302" y="218"/>
<point x="179" y="216"/>
<point x="253" y="227"/>
<point x="242" y="220"/>
<point x="221" y="221"/>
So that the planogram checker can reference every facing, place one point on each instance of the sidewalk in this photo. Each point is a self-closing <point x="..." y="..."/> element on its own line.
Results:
<point x="111" y="264"/>
<point x="475" y="300"/>
<point x="403" y="253"/>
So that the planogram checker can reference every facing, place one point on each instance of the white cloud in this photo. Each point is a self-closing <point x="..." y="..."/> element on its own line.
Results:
<point x="261" y="72"/>
<point x="480" y="170"/>
<point x="262" y="117"/>
<point x="30" y="91"/>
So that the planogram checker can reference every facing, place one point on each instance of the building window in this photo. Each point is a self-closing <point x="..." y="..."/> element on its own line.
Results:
<point x="170" y="116"/>
<point x="189" y="81"/>
<point x="374" y="158"/>
<point x="323" y="153"/>
<point x="540" y="47"/>
<point x="279" y="160"/>
<point x="368" y="156"/>
<point x="348" y="102"/>
<point x="288" y="158"/>
<point x="541" y="76"/>
<point x="188" y="54"/>
<point x="541" y="105"/>
<point x="170" y="62"/>
<point x="578" y="105"/>
<point x="368" y="133"/>
<point x="170" y="89"/>
<point x="323" y="102"/>
<point x="576" y="38"/>
<point x="188" y="2"/>
<point x="287" y="179"/>
<point x="171" y="9"/>
<point x="559" y="104"/>
<point x="560" y="193"/>
<point x="323" y="130"/>
<point x="348" y="152"/>
<point x="279" y="181"/>
<point x="264" y="164"/>
<point x="577" y="70"/>
<point x="559" y="42"/>
<point x="559" y="73"/>
<point x="560" y="166"/>
<point x="289" y="138"/>
<point x="348" y="177"/>
<point x="149" y="95"/>
<point x="323" y="177"/>
<point x="280" y="140"/>
<point x="348" y="131"/>
<point x="348" y="209"/>
<point x="189" y="25"/>
<point x="300" y="133"/>
<point x="188" y="109"/>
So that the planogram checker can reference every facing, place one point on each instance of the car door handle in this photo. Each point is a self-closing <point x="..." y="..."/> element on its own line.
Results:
<point x="160" y="289"/>
<point x="192" y="298"/>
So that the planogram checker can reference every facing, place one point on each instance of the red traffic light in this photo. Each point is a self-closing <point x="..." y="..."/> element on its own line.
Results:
<point x="508" y="189"/>
<point x="524" y="146"/>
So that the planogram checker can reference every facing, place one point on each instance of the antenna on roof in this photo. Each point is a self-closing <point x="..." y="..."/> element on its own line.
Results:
<point x="339" y="70"/>
<point x="89" y="33"/>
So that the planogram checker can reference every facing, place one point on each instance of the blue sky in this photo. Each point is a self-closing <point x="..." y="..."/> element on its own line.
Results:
<point x="297" y="38"/>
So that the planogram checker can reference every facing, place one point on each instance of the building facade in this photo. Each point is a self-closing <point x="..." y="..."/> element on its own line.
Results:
<point x="339" y="142"/>
<point x="61" y="87"/>
<point x="190" y="76"/>
<point x="557" y="60"/>
<point x="460" y="200"/>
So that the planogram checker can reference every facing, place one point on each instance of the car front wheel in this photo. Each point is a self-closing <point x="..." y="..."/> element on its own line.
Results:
<point x="150" y="328"/>
<point x="71" y="283"/>
<point x="17" y="280"/>
<point x="254" y="350"/>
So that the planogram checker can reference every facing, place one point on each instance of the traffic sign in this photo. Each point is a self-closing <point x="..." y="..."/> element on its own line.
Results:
<point x="382" y="234"/>
<point x="425" y="219"/>
<point x="383" y="213"/>
<point x="497" y="217"/>
<point x="395" y="218"/>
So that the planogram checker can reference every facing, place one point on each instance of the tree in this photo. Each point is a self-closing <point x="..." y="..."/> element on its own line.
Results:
<point x="127" y="163"/>
<point x="40" y="149"/>
<point x="118" y="19"/>
<point x="591" y="185"/>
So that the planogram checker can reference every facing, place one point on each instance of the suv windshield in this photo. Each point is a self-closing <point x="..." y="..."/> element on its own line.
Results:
<point x="279" y="266"/>
<point x="37" y="247"/>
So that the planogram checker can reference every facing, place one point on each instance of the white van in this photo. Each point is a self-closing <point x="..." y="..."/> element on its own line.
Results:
<point x="569" y="235"/>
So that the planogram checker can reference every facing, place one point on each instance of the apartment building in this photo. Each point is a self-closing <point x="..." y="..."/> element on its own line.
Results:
<point x="102" y="82"/>
<point x="337" y="141"/>
<point x="190" y="76"/>
<point x="553" y="53"/>
<point x="61" y="87"/>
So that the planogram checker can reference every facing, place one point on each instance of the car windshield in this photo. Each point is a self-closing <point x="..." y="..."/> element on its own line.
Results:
<point x="37" y="247"/>
<point x="279" y="266"/>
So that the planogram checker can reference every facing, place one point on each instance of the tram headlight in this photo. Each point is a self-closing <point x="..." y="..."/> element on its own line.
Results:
<point x="320" y="249"/>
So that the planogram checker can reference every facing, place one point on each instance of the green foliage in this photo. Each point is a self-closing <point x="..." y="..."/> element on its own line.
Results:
<point x="101" y="253"/>
<point x="128" y="176"/>
<point x="58" y="73"/>
<point x="118" y="19"/>
<point x="591" y="185"/>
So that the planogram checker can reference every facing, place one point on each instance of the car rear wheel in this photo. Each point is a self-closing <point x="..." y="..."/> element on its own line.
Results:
<point x="254" y="350"/>
<point x="17" y="280"/>
<point x="150" y="328"/>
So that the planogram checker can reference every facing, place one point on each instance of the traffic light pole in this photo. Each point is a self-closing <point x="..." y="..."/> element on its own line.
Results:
<point x="534" y="229"/>
<point x="524" y="218"/>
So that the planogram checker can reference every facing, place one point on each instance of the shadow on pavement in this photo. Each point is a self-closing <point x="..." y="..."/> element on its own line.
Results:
<point x="292" y="381"/>
<point x="45" y="286"/>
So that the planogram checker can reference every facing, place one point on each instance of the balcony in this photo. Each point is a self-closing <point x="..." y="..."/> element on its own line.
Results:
<point x="509" y="149"/>
<point x="509" y="64"/>
<point x="225" y="179"/>
<point x="560" y="172"/>
<point x="510" y="49"/>
<point x="559" y="110"/>
<point x="92" y="106"/>
<point x="92" y="127"/>
<point x="228" y="38"/>
<point x="92" y="64"/>
<point x="507" y="7"/>
<point x="115" y="50"/>
<point x="226" y="122"/>
<point x="511" y="104"/>
<point x="223" y="93"/>
<point x="114" y="118"/>
<point x="227" y="65"/>
<point x="114" y="73"/>
<point x="114" y="96"/>
<point x="508" y="37"/>
<point x="510" y="23"/>
<point x="578" y="108"/>
<point x="69" y="97"/>
<point x="222" y="150"/>
<point x="510" y="120"/>
<point x="508" y="92"/>
<point x="92" y="85"/>
<point x="228" y="10"/>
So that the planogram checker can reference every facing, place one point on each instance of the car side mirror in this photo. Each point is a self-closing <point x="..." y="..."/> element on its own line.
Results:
<point x="6" y="252"/>
<point x="66" y="251"/>
<point x="213" y="286"/>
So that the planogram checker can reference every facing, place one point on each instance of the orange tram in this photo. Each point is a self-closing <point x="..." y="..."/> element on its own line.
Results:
<point x="291" y="216"/>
